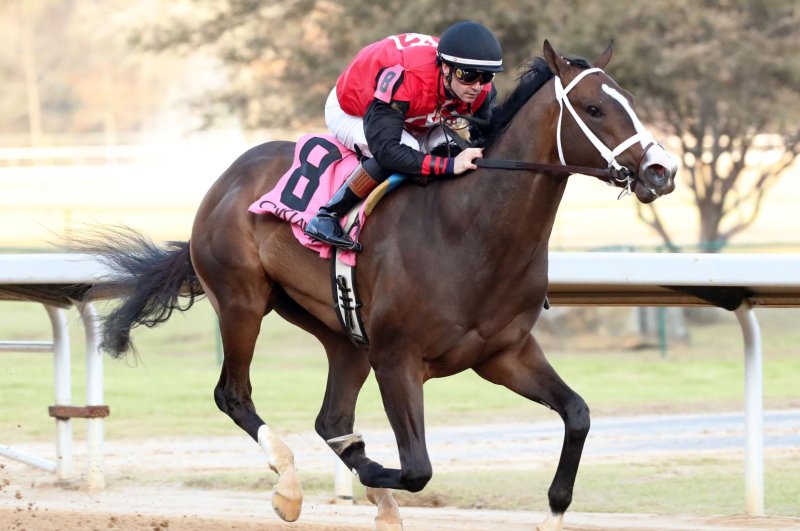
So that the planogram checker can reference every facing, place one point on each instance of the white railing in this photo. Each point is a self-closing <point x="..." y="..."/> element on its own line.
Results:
<point x="21" y="278"/>
<point x="63" y="410"/>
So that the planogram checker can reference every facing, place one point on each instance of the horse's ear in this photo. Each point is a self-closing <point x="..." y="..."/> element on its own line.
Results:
<point x="604" y="57"/>
<point x="554" y="61"/>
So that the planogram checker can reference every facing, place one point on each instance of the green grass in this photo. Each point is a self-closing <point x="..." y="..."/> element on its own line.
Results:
<point x="167" y="389"/>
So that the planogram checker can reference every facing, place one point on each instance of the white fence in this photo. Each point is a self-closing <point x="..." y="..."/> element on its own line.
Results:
<point x="42" y="278"/>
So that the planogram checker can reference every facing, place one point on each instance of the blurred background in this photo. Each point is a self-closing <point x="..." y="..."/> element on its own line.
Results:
<point x="125" y="112"/>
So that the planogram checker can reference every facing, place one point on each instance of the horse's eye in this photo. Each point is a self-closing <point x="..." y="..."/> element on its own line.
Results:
<point x="594" y="111"/>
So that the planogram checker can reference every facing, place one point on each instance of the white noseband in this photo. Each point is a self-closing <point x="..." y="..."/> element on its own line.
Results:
<point x="610" y="155"/>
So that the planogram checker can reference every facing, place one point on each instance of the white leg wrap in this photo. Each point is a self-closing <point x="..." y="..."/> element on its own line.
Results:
<point x="343" y="442"/>
<point x="264" y="436"/>
<point x="279" y="455"/>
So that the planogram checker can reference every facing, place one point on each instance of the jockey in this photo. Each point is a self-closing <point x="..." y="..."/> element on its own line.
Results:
<point x="387" y="100"/>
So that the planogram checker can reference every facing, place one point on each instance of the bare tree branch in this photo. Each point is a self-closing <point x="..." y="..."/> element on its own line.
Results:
<point x="655" y="222"/>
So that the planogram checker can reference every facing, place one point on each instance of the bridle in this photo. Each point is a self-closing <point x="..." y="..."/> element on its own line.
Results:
<point x="609" y="155"/>
<point x="615" y="173"/>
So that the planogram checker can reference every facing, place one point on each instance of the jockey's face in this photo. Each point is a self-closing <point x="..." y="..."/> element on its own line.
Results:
<point x="465" y="92"/>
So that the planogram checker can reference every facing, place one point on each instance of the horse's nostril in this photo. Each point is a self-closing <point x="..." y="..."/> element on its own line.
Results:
<point x="656" y="174"/>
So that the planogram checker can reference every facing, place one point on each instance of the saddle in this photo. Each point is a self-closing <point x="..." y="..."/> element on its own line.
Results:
<point x="320" y="166"/>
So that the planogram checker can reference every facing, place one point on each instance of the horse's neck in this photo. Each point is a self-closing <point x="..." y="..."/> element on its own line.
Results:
<point x="525" y="203"/>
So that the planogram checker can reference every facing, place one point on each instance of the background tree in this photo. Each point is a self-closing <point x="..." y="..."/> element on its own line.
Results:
<point x="720" y="76"/>
<point x="67" y="71"/>
<point x="283" y="58"/>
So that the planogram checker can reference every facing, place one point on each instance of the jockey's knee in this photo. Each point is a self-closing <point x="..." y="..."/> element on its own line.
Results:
<point x="375" y="170"/>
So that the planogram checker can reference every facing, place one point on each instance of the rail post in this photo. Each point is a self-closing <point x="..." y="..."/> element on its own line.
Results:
<point x="754" y="410"/>
<point x="95" y="470"/>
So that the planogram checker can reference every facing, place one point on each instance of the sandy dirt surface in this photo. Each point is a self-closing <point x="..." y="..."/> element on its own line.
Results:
<point x="140" y="495"/>
<point x="49" y="508"/>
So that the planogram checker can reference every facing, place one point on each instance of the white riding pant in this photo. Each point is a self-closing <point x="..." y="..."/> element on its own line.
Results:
<point x="349" y="130"/>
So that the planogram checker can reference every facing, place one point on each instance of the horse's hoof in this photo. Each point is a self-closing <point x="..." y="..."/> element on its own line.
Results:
<point x="388" y="518"/>
<point x="287" y="507"/>
<point x="381" y="525"/>
<point x="553" y="522"/>
<point x="287" y="496"/>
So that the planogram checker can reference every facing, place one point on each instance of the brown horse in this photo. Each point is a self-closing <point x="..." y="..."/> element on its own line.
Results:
<point x="452" y="277"/>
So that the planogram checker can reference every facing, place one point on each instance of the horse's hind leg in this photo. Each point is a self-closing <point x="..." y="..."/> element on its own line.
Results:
<point x="525" y="371"/>
<point x="240" y="311"/>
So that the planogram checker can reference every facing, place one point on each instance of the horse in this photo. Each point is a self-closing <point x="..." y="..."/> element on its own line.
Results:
<point x="453" y="276"/>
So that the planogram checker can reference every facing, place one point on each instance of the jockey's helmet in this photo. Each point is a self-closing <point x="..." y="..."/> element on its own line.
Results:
<point x="471" y="46"/>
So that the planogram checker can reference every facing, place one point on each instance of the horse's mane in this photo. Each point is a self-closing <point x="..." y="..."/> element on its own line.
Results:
<point x="534" y="76"/>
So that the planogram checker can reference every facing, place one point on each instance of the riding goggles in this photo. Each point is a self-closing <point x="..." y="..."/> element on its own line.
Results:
<point x="468" y="77"/>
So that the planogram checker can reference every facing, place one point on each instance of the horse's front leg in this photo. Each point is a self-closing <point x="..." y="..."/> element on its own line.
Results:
<point x="400" y="380"/>
<point x="348" y="368"/>
<point x="401" y="391"/>
<point x="524" y="370"/>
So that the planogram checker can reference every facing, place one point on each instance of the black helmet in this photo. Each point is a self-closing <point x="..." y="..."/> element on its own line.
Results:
<point x="471" y="45"/>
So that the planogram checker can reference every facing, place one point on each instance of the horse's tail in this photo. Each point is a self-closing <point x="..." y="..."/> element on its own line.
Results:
<point x="152" y="280"/>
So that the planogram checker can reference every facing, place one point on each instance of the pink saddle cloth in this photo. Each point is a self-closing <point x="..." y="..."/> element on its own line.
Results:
<point x="321" y="165"/>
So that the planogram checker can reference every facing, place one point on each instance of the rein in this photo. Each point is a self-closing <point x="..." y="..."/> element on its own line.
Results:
<point x="620" y="175"/>
<point x="615" y="173"/>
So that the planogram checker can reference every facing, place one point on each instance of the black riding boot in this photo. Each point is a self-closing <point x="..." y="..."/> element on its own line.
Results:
<point x="326" y="225"/>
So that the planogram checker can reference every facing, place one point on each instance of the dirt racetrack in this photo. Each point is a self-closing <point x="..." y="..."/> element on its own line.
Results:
<point x="140" y="496"/>
<point x="129" y="509"/>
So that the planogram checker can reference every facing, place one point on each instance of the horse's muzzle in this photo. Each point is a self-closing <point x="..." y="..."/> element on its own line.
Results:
<point x="656" y="175"/>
